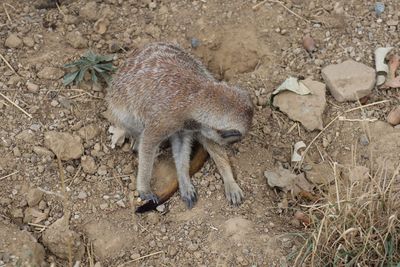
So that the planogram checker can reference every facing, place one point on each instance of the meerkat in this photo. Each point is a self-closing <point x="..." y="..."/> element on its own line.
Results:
<point x="163" y="93"/>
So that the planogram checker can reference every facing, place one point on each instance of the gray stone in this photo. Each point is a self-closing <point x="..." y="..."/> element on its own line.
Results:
<point x="306" y="109"/>
<point x="349" y="81"/>
<point x="64" y="145"/>
<point x="34" y="196"/>
<point x="89" y="132"/>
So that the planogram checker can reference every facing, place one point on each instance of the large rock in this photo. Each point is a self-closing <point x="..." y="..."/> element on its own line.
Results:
<point x="21" y="248"/>
<point x="349" y="81"/>
<point x="66" y="146"/>
<point x="306" y="109"/>
<point x="60" y="240"/>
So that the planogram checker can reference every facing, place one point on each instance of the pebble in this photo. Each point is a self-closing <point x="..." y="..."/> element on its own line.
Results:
<point x="364" y="139"/>
<point x="103" y="206"/>
<point x="82" y="195"/>
<point x="34" y="197"/>
<point x="160" y="208"/>
<point x="76" y="40"/>
<point x="50" y="73"/>
<point x="121" y="203"/>
<point x="102" y="170"/>
<point x="28" y="41"/>
<point x="13" y="41"/>
<point x="64" y="145"/>
<point x="88" y="164"/>
<point x="32" y="87"/>
<point x="194" y="42"/>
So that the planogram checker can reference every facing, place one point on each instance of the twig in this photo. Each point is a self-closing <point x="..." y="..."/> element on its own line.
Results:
<point x="8" y="175"/>
<point x="8" y="64"/>
<point x="142" y="257"/>
<point x="332" y="121"/>
<point x="257" y="6"/>
<point x="59" y="9"/>
<point x="51" y="193"/>
<point x="342" y="118"/>
<point x="15" y="105"/>
<point x="8" y="15"/>
<point x="290" y="11"/>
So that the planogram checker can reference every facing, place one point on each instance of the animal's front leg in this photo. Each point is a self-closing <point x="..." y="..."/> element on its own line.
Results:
<point x="232" y="190"/>
<point x="181" y="149"/>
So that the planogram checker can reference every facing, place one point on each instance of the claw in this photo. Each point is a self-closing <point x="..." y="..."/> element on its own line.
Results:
<point x="189" y="196"/>
<point x="149" y="196"/>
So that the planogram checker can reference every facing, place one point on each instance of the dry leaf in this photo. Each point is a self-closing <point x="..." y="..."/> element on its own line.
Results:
<point x="288" y="182"/>
<point x="294" y="85"/>
<point x="381" y="67"/>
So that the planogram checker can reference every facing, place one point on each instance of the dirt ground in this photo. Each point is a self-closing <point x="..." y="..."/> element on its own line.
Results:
<point x="256" y="49"/>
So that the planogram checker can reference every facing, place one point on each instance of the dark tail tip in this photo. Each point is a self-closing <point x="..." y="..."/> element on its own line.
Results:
<point x="148" y="206"/>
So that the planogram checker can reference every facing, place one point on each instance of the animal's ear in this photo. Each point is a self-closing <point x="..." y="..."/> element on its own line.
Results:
<point x="192" y="125"/>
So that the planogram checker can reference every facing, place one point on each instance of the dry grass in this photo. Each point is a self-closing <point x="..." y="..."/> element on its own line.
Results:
<point x="358" y="225"/>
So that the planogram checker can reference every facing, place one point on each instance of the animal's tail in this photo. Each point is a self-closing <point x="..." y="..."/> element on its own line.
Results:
<point x="167" y="168"/>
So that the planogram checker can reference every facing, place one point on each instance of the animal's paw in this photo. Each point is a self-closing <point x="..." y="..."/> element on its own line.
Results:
<point x="148" y="196"/>
<point x="118" y="136"/>
<point x="234" y="194"/>
<point x="188" y="194"/>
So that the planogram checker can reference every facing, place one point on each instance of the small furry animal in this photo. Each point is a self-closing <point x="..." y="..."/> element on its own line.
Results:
<point x="163" y="93"/>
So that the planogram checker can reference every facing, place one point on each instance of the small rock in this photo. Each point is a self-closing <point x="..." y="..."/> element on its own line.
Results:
<point x="121" y="203"/>
<point x="193" y="247"/>
<point x="16" y="152"/>
<point x="89" y="11"/>
<point x="28" y="41"/>
<point x="82" y="195"/>
<point x="17" y="214"/>
<point x="88" y="164"/>
<point x="103" y="206"/>
<point x="194" y="42"/>
<point x="394" y="116"/>
<point x="54" y="103"/>
<point x="320" y="174"/>
<point x="32" y="87"/>
<point x="42" y="151"/>
<point x="26" y="135"/>
<point x="364" y="139"/>
<point x="89" y="132"/>
<point x="50" y="73"/>
<point x="160" y="208"/>
<point x="34" y="196"/>
<point x="33" y="215"/>
<point x="13" y="41"/>
<point x="76" y="40"/>
<point x="306" y="109"/>
<point x="62" y="241"/>
<point x="64" y="145"/>
<point x="349" y="81"/>
<point x="102" y="170"/>
<point x="70" y="19"/>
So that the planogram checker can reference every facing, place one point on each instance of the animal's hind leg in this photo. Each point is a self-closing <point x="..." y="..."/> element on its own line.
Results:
<point x="181" y="148"/>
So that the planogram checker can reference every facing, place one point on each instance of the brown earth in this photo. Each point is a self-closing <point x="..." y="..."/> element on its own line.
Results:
<point x="256" y="49"/>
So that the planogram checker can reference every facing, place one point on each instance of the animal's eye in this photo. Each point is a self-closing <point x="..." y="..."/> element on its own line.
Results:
<point x="230" y="134"/>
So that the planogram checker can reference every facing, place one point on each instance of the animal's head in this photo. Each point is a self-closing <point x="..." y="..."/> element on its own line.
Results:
<point x="228" y="116"/>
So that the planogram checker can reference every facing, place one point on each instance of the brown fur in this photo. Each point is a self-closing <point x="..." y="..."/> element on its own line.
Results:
<point x="164" y="93"/>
